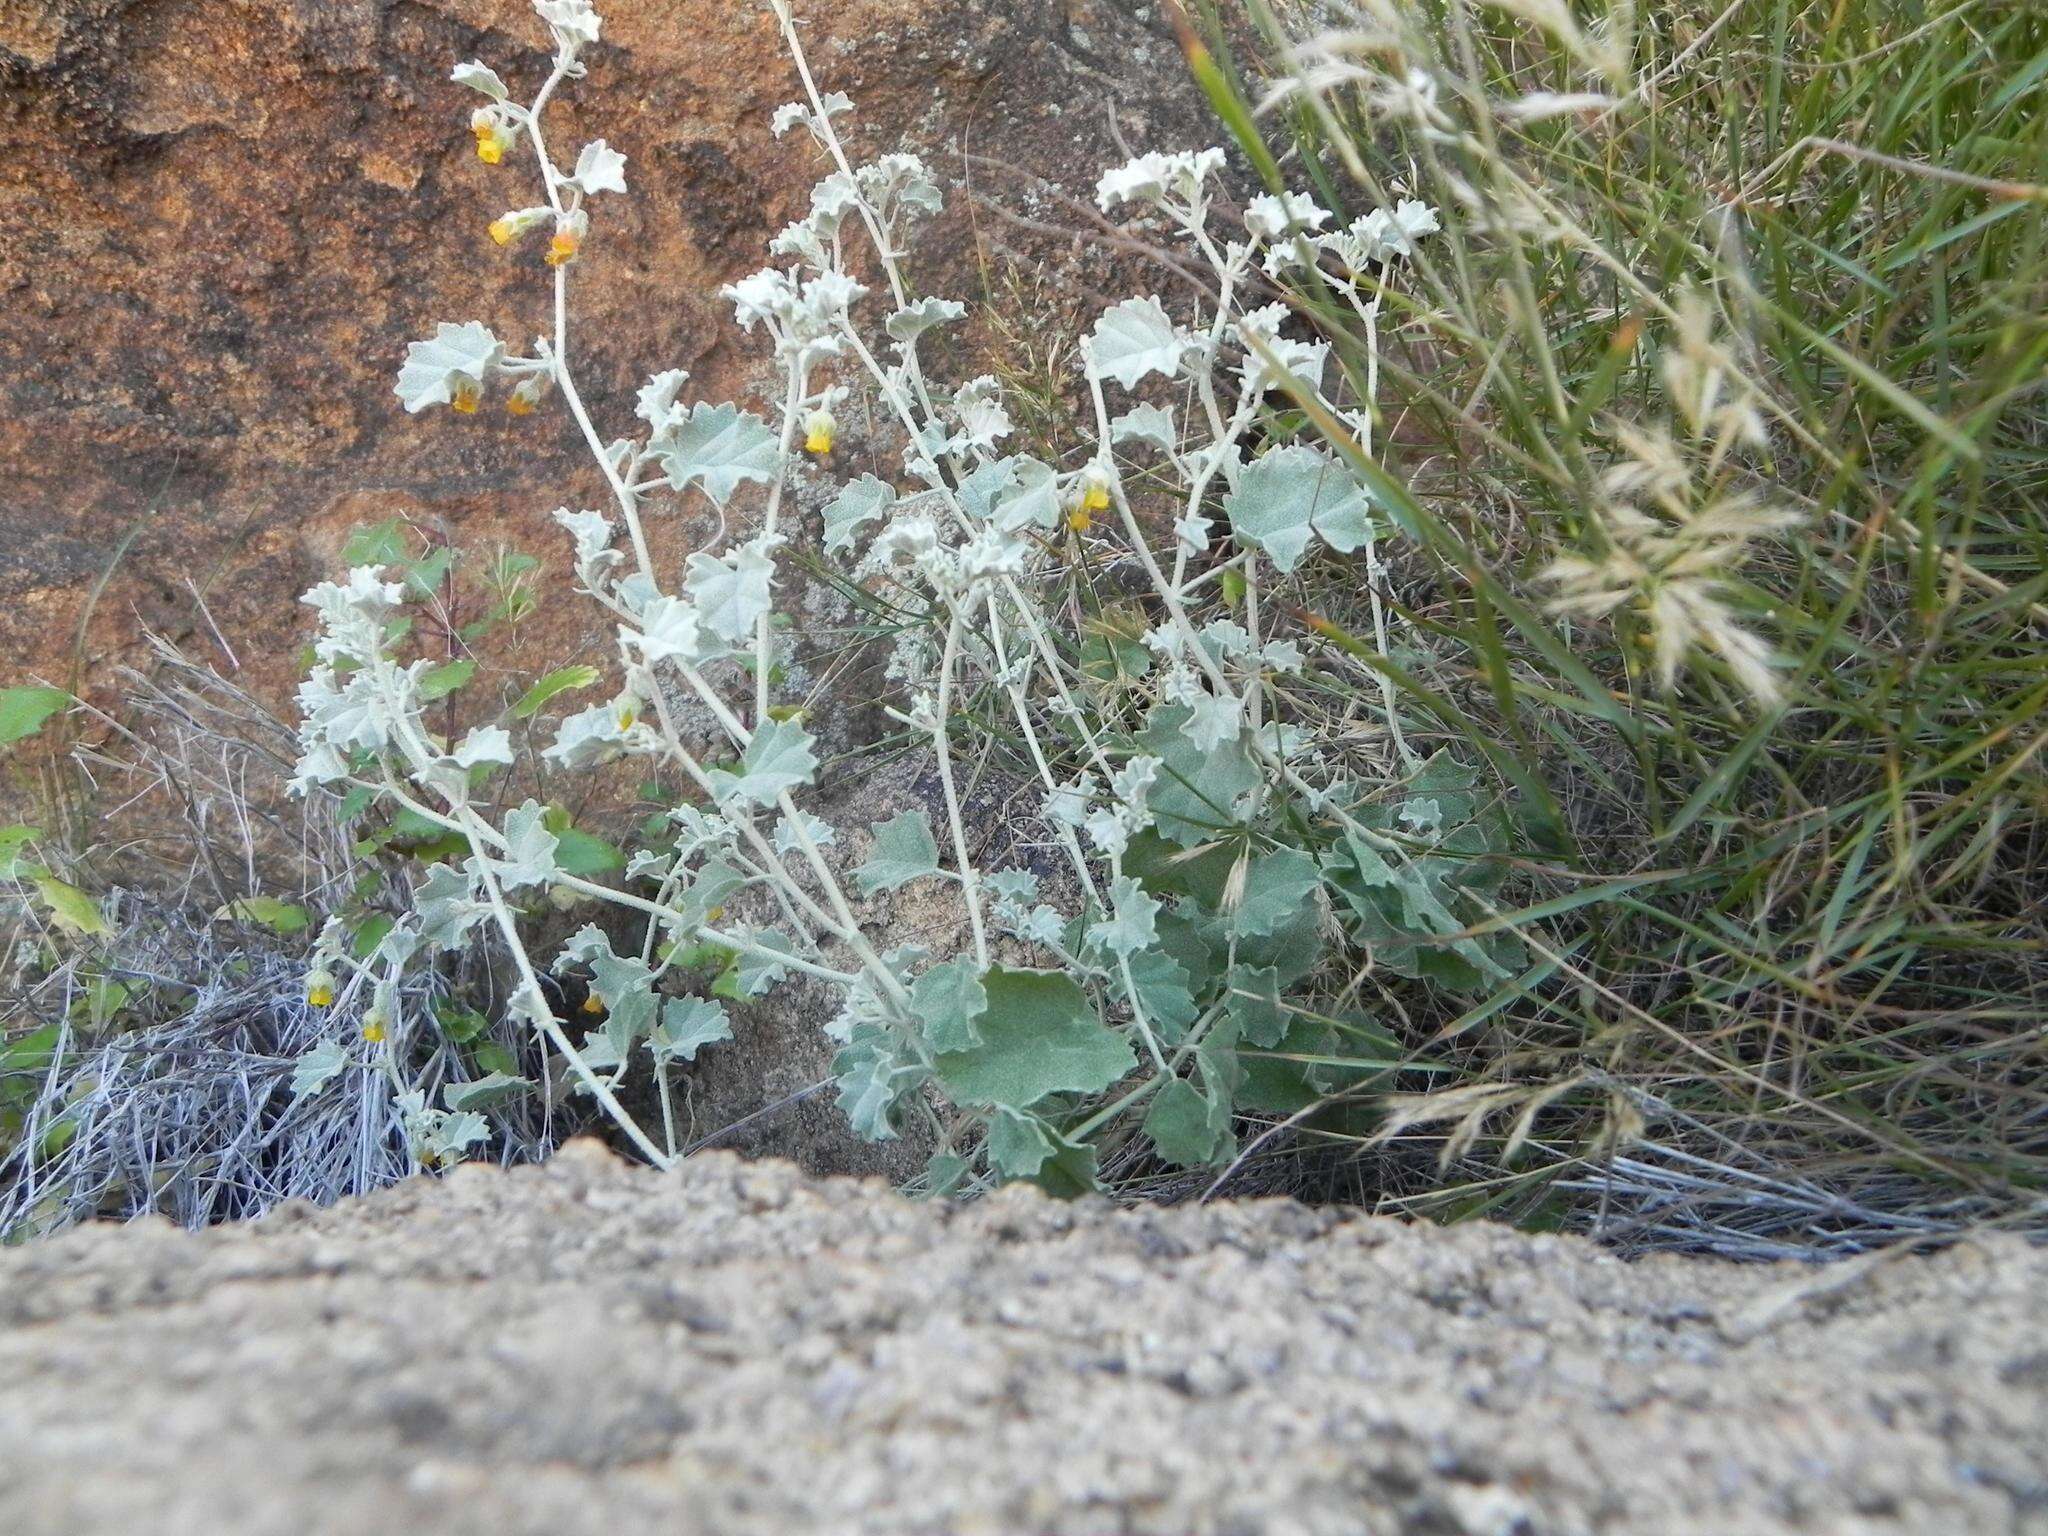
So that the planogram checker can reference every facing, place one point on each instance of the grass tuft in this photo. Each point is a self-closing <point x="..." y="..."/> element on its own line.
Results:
<point x="1716" y="415"/>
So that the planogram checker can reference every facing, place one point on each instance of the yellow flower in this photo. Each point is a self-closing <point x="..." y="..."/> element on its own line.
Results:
<point x="527" y="394"/>
<point x="1080" y="519"/>
<point x="493" y="138"/>
<point x="627" y="716"/>
<point x="507" y="227"/>
<point x="563" y="248"/>
<point x="373" y="1029"/>
<point x="593" y="1004"/>
<point x="1094" y="489"/>
<point x="465" y="396"/>
<point x="819" y="428"/>
<point x="320" y="989"/>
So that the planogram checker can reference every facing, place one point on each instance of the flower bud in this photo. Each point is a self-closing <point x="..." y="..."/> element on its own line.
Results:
<point x="507" y="227"/>
<point x="819" y="428"/>
<point x="320" y="988"/>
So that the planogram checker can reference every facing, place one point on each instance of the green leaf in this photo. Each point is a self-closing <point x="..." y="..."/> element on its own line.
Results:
<point x="586" y="856"/>
<point x="581" y="853"/>
<point x="28" y="1055"/>
<point x="445" y="679"/>
<point x="1193" y="795"/>
<point x="752" y="972"/>
<point x="1018" y="1145"/>
<point x="382" y="543"/>
<point x="944" y="1174"/>
<point x="904" y="851"/>
<point x="24" y="711"/>
<point x="72" y="909"/>
<point x="267" y="912"/>
<point x="62" y="1132"/>
<point x="1164" y="991"/>
<point x="1072" y="1171"/>
<point x="1290" y="493"/>
<point x="947" y="999"/>
<point x="423" y="577"/>
<point x="1189" y="1129"/>
<point x="561" y="680"/>
<point x="1167" y="870"/>
<point x="483" y="1092"/>
<point x="1396" y="906"/>
<point x="1040" y="1036"/>
<point x="1026" y="1147"/>
<point x="1254" y="1005"/>
<point x="1111" y="654"/>
<point x="14" y="841"/>
<point x="1276" y="1085"/>
<point x="873" y="1080"/>
<point x="460" y="1024"/>
<point x="1277" y="886"/>
<point x="369" y="934"/>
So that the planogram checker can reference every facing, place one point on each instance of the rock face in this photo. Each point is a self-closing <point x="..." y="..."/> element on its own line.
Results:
<point x="734" y="1348"/>
<point x="222" y="220"/>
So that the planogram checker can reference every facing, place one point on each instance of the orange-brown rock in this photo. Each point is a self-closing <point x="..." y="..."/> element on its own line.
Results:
<point x="221" y="221"/>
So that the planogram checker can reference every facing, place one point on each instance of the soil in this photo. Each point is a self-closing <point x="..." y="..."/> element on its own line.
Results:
<point x="735" y="1347"/>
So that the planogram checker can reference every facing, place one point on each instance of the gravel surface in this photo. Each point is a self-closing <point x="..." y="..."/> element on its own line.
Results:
<point x="737" y="1348"/>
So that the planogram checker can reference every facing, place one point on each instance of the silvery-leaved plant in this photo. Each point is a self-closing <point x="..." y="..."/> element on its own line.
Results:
<point x="1162" y="976"/>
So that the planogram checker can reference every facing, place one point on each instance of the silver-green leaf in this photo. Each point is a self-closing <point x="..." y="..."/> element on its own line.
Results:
<point x="1039" y="1036"/>
<point x="778" y="760"/>
<point x="904" y="851"/>
<point x="1134" y="340"/>
<point x="1286" y="496"/>
<point x="717" y="447"/>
